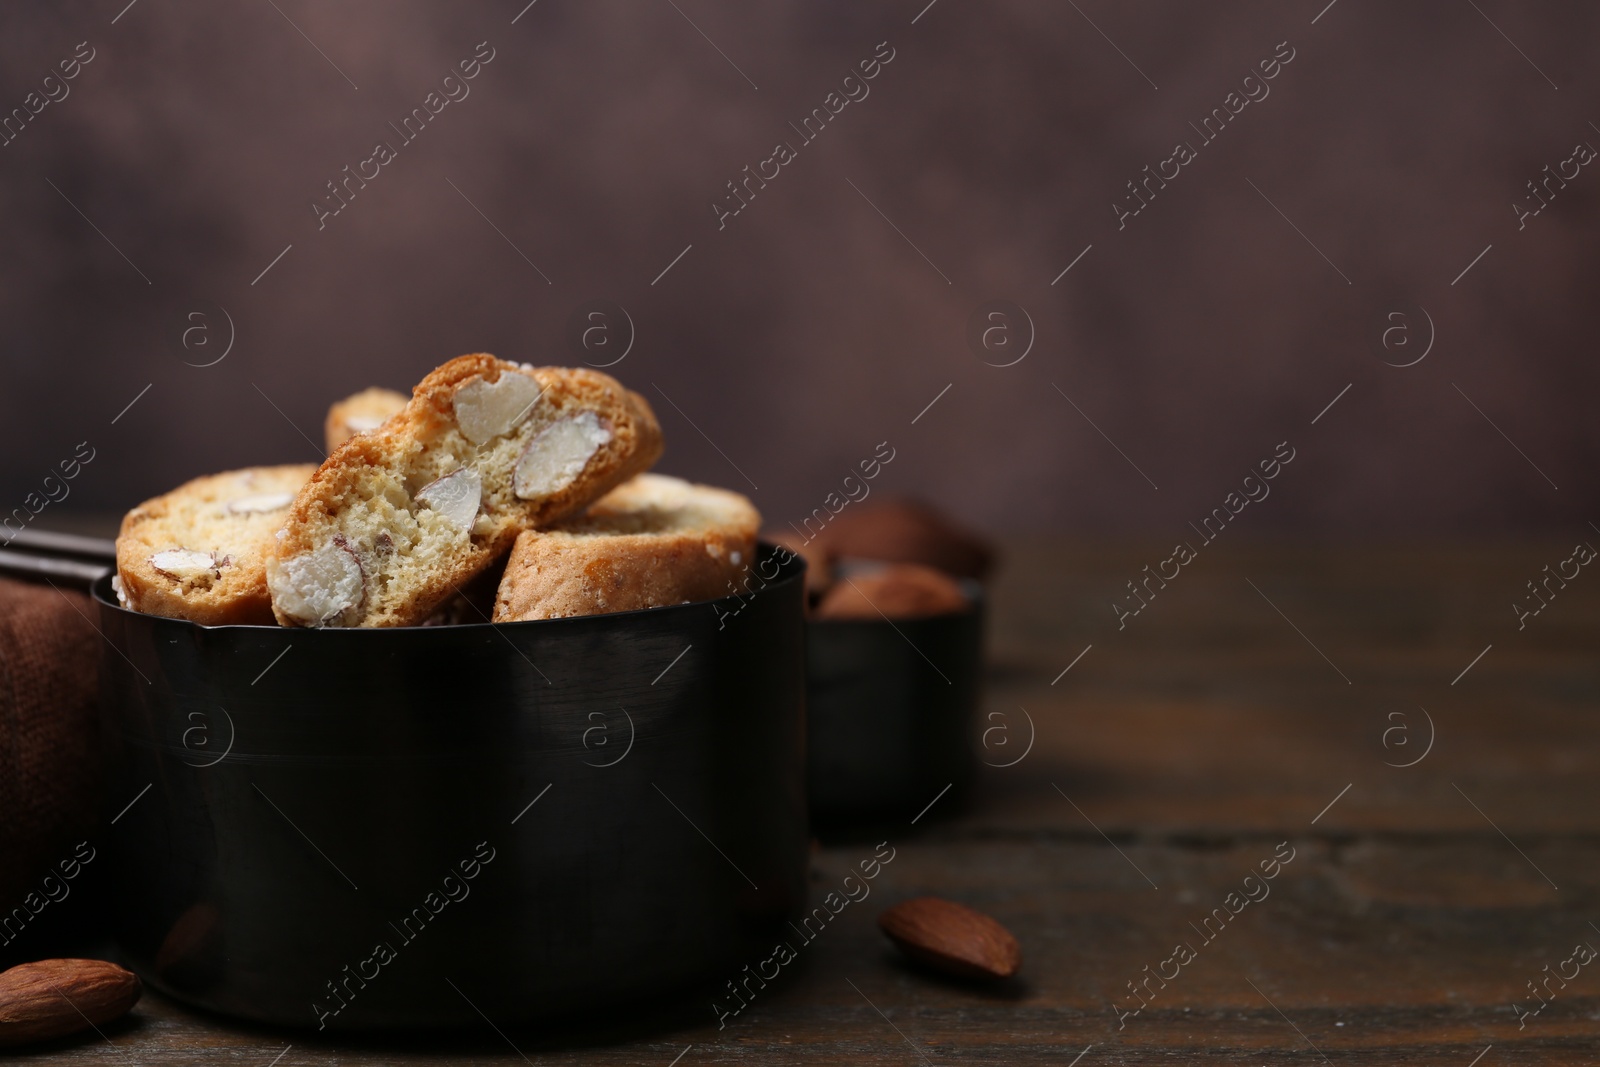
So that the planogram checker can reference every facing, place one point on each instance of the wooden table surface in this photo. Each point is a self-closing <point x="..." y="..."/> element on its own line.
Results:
<point x="1259" y="705"/>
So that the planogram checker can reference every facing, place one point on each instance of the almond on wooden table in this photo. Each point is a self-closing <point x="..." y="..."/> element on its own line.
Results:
<point x="952" y="937"/>
<point x="54" y="998"/>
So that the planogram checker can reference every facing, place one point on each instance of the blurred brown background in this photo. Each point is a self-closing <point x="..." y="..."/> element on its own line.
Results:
<point x="782" y="349"/>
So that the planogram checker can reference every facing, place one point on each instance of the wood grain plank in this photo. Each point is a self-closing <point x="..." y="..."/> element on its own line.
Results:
<point x="1180" y="751"/>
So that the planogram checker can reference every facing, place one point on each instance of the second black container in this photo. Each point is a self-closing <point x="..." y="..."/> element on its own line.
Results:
<point x="891" y="712"/>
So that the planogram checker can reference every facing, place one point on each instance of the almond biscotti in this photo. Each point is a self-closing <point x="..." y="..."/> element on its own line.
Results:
<point x="366" y="410"/>
<point x="400" y="516"/>
<point x="200" y="551"/>
<point x="650" y="542"/>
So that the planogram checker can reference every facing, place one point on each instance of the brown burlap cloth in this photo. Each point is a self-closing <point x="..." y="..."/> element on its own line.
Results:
<point x="49" y="730"/>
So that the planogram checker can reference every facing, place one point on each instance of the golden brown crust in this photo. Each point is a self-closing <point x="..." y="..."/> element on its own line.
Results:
<point x="652" y="542"/>
<point x="195" y="517"/>
<point x="361" y="523"/>
<point x="364" y="411"/>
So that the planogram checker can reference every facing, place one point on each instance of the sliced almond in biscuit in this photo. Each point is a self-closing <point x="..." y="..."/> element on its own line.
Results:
<point x="258" y="502"/>
<point x="184" y="563"/>
<point x="485" y="410"/>
<point x="319" y="586"/>
<point x="558" y="454"/>
<point x="455" y="496"/>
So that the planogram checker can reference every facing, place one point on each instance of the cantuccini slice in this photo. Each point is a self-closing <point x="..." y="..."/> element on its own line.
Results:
<point x="400" y="516"/>
<point x="200" y="552"/>
<point x="366" y="410"/>
<point x="650" y="542"/>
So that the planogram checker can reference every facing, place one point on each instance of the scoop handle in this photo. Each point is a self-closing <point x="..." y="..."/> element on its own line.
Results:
<point x="70" y="559"/>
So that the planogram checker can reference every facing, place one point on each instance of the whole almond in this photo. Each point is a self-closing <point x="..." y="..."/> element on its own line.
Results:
<point x="53" y="998"/>
<point x="952" y="937"/>
<point x="902" y="530"/>
<point x="898" y="591"/>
